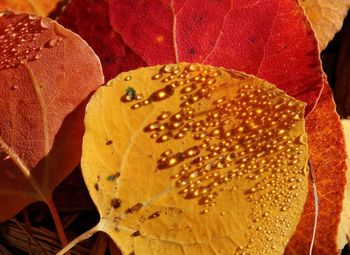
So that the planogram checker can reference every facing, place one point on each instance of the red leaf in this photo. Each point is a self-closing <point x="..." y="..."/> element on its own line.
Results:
<point x="47" y="73"/>
<point x="328" y="156"/>
<point x="270" y="38"/>
<point x="91" y="22"/>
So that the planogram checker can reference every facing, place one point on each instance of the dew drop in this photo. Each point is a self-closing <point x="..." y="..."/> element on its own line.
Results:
<point x="163" y="138"/>
<point x="168" y="68"/>
<point x="136" y="106"/>
<point x="164" y="116"/>
<point x="45" y="23"/>
<point x="33" y="17"/>
<point x="154" y="215"/>
<point x="139" y="96"/>
<point x="167" y="152"/>
<point x="135" y="234"/>
<point x="53" y="42"/>
<point x="163" y="93"/>
<point x="189" y="88"/>
<point x="7" y="13"/>
<point x="134" y="208"/>
<point x="193" y="68"/>
<point x="157" y="76"/>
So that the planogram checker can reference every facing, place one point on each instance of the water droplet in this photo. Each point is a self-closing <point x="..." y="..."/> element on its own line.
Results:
<point x="45" y="23"/>
<point x="134" y="208"/>
<point x="189" y="88"/>
<point x="168" y="68"/>
<point x="157" y="76"/>
<point x="193" y="68"/>
<point x="53" y="42"/>
<point x="139" y="96"/>
<point x="164" y="115"/>
<point x="163" y="93"/>
<point x="154" y="215"/>
<point x="128" y="78"/>
<point x="38" y="55"/>
<point x="153" y="126"/>
<point x="167" y="152"/>
<point x="135" y="234"/>
<point x="136" y="106"/>
<point x="6" y="13"/>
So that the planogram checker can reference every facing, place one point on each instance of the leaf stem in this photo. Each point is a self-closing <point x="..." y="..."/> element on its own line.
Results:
<point x="78" y="239"/>
<point x="313" y="181"/>
<point x="57" y="221"/>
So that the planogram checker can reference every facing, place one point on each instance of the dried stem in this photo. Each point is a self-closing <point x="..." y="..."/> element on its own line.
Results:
<point x="31" y="238"/>
<point x="15" y="236"/>
<point x="313" y="181"/>
<point x="78" y="239"/>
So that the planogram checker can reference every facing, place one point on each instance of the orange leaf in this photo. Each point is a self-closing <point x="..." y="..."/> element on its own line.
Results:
<point x="39" y="7"/>
<point x="327" y="153"/>
<point x="344" y="225"/>
<point x="326" y="17"/>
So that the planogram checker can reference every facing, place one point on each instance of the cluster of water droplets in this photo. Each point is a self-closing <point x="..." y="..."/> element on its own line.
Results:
<point x="20" y="38"/>
<point x="241" y="141"/>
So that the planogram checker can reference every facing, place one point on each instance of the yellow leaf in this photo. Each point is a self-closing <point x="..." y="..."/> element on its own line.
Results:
<point x="344" y="225"/>
<point x="191" y="159"/>
<point x="39" y="7"/>
<point x="326" y="17"/>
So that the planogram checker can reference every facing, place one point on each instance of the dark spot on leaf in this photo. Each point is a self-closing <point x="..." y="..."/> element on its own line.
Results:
<point x="142" y="219"/>
<point x="109" y="59"/>
<point x="116" y="219"/>
<point x="192" y="51"/>
<point x="97" y="188"/>
<point x="132" y="253"/>
<point x="197" y="19"/>
<point x="135" y="208"/>
<point x="116" y="203"/>
<point x="113" y="176"/>
<point x="136" y="233"/>
<point x="252" y="39"/>
<point x="154" y="215"/>
<point x="109" y="142"/>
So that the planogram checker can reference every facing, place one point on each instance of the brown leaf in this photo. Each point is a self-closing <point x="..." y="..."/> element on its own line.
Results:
<point x="326" y="17"/>
<point x="47" y="74"/>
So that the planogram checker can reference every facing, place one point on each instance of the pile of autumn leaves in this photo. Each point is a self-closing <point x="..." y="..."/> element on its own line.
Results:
<point x="45" y="90"/>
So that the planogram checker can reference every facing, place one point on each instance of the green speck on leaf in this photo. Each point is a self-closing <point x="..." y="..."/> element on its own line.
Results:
<point x="113" y="177"/>
<point x="131" y="92"/>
